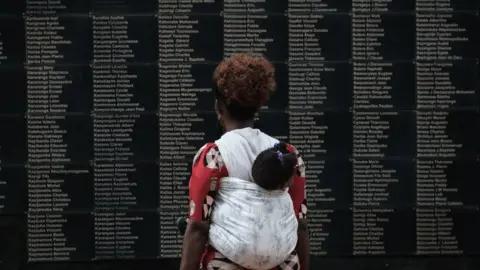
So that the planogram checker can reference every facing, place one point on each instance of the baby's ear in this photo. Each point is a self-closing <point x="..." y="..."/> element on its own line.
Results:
<point x="289" y="183"/>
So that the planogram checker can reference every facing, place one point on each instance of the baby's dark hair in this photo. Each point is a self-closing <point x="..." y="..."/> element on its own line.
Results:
<point x="244" y="83"/>
<point x="274" y="167"/>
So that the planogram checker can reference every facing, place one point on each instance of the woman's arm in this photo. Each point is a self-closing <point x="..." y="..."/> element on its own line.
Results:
<point x="303" y="245"/>
<point x="194" y="241"/>
<point x="207" y="170"/>
<point x="297" y="191"/>
<point x="299" y="198"/>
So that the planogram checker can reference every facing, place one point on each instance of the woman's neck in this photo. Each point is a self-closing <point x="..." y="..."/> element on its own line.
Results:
<point x="229" y="126"/>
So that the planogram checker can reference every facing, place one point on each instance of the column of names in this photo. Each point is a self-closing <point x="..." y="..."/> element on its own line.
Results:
<point x="55" y="171"/>
<point x="445" y="104"/>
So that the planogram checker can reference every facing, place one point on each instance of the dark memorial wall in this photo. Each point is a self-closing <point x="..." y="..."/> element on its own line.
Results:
<point x="103" y="104"/>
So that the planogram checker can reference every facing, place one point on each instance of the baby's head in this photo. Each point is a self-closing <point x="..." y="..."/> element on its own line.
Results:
<point x="273" y="168"/>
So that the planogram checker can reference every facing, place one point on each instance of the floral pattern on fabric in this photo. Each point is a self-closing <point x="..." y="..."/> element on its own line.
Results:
<point x="220" y="262"/>
<point x="207" y="170"/>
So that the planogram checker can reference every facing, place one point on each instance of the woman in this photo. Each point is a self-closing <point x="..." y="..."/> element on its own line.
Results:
<point x="243" y="84"/>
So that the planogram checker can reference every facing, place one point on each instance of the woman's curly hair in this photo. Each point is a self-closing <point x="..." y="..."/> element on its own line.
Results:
<point x="244" y="84"/>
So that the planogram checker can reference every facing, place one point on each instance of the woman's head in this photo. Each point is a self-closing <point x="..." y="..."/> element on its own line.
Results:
<point x="243" y="83"/>
<point x="273" y="168"/>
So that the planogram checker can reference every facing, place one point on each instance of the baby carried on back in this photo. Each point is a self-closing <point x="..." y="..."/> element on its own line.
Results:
<point x="253" y="221"/>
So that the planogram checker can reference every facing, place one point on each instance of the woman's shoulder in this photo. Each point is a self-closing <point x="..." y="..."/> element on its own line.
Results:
<point x="209" y="156"/>
<point x="292" y="149"/>
<point x="300" y="162"/>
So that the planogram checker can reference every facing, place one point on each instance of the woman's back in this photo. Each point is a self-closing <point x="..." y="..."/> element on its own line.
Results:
<point x="250" y="225"/>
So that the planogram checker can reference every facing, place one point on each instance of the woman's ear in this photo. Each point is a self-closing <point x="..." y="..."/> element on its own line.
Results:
<point x="217" y="109"/>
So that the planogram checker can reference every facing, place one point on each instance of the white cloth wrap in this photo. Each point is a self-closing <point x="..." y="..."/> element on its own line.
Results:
<point x="252" y="227"/>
